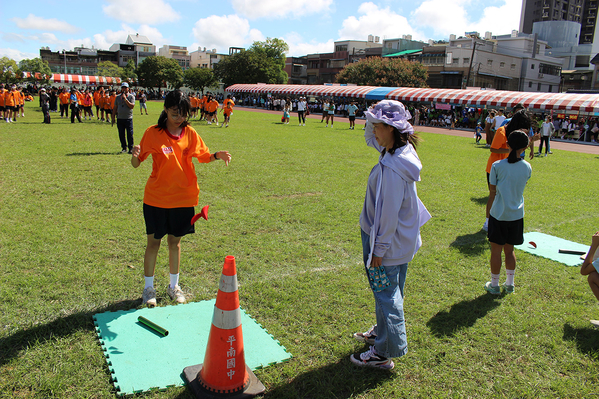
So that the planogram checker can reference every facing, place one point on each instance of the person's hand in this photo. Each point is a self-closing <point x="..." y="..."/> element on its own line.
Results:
<point x="376" y="261"/>
<point x="135" y="151"/>
<point x="532" y="155"/>
<point x="225" y="156"/>
<point x="595" y="239"/>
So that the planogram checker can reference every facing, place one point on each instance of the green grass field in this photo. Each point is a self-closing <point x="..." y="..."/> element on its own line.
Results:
<point x="73" y="237"/>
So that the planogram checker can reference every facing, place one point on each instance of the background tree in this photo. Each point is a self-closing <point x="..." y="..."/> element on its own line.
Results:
<point x="39" y="66"/>
<point x="108" y="68"/>
<point x="128" y="73"/>
<point x="272" y="48"/>
<point x="158" y="71"/>
<point x="8" y="70"/>
<point x="199" y="79"/>
<point x="263" y="62"/>
<point x="390" y="72"/>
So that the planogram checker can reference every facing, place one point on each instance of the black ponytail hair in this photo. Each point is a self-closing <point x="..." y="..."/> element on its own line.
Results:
<point x="175" y="98"/>
<point x="517" y="140"/>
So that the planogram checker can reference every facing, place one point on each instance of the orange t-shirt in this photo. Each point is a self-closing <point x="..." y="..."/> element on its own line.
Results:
<point x="2" y="94"/>
<point x="10" y="98"/>
<point x="97" y="96"/>
<point x="228" y="105"/>
<point x="212" y="106"/>
<point x="21" y="98"/>
<point x="173" y="182"/>
<point x="203" y="101"/>
<point x="193" y="101"/>
<point x="499" y="142"/>
<point x="65" y="98"/>
<point x="110" y="102"/>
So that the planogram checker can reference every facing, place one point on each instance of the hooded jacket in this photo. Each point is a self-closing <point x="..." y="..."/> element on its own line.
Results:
<point x="393" y="214"/>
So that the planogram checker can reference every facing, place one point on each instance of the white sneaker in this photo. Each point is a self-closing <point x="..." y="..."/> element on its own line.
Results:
<point x="176" y="293"/>
<point x="149" y="297"/>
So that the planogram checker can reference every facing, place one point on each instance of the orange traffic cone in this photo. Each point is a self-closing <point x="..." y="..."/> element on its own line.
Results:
<point x="224" y="372"/>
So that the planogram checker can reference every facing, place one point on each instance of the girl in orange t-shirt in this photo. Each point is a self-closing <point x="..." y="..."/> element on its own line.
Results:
<point x="172" y="190"/>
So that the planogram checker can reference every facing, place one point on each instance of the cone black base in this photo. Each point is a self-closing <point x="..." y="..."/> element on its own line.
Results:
<point x="191" y="373"/>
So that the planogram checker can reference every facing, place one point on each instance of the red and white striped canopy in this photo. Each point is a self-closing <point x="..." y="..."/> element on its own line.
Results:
<point x="76" y="79"/>
<point x="500" y="98"/>
<point x="483" y="98"/>
<point x="306" y="90"/>
<point x="84" y="79"/>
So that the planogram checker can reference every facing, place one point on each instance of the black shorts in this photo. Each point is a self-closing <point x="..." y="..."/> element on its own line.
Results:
<point x="173" y="221"/>
<point x="352" y="118"/>
<point x="506" y="232"/>
<point x="2" y="108"/>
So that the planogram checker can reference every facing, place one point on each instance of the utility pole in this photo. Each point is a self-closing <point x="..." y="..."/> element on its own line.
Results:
<point x="471" y="60"/>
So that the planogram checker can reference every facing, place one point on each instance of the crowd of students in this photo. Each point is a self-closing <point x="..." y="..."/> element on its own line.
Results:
<point x="12" y="102"/>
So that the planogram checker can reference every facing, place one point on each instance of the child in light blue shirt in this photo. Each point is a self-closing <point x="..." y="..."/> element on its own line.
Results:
<point x="507" y="180"/>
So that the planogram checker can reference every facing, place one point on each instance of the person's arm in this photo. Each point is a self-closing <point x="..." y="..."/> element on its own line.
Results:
<point x="135" y="162"/>
<point x="389" y="203"/>
<point x="221" y="155"/>
<point x="587" y="266"/>
<point x="129" y="104"/>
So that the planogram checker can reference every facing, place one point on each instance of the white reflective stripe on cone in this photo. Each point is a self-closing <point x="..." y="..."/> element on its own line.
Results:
<point x="228" y="283"/>
<point x="226" y="319"/>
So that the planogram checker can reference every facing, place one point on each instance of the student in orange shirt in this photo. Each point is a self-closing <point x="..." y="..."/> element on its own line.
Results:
<point x="109" y="105"/>
<point x="11" y="104"/>
<point x="21" y="100"/>
<point x="172" y="190"/>
<point x="227" y="109"/>
<point x="211" y="109"/>
<point x="64" y="98"/>
<point x="98" y="94"/>
<point x="87" y="102"/>
<point x="2" y="107"/>
<point x="202" y="105"/>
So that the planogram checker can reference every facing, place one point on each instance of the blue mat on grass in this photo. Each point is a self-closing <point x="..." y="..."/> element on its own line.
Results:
<point x="140" y="360"/>
<point x="548" y="247"/>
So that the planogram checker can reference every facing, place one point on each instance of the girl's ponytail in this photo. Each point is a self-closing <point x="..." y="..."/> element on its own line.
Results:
<point x="517" y="140"/>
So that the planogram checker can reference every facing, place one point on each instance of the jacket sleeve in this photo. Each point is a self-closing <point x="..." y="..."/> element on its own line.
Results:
<point x="370" y="139"/>
<point x="388" y="206"/>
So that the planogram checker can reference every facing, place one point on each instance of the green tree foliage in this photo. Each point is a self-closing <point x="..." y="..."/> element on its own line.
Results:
<point x="199" y="79"/>
<point x="390" y="72"/>
<point x="36" y="65"/>
<point x="264" y="62"/>
<point x="128" y="73"/>
<point x="108" y="68"/>
<point x="158" y="71"/>
<point x="8" y="70"/>
<point x="272" y="48"/>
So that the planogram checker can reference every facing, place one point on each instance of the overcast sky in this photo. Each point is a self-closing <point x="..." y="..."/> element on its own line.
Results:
<point x="308" y="26"/>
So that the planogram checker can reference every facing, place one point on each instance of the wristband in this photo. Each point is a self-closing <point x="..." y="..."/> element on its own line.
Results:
<point x="215" y="157"/>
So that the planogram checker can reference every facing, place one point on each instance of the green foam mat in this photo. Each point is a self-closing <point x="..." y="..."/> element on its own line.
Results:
<point x="140" y="359"/>
<point x="548" y="247"/>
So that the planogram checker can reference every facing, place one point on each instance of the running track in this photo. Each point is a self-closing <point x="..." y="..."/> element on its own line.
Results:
<point x="585" y="148"/>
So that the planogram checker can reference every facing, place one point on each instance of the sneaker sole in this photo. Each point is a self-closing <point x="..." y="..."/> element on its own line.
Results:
<point x="360" y="363"/>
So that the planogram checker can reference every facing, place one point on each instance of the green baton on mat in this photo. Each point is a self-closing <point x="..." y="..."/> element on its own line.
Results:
<point x="153" y="326"/>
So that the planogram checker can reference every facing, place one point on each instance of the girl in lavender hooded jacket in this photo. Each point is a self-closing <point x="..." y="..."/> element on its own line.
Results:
<point x="390" y="223"/>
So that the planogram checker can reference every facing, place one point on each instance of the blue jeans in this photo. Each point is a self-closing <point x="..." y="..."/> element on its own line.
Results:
<point x="390" y="327"/>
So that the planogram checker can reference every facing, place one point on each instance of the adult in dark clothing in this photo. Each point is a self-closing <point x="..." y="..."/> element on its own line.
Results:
<point x="123" y="110"/>
<point x="45" y="104"/>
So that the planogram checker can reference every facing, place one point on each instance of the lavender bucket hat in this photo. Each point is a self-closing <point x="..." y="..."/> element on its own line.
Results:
<point x="392" y="113"/>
